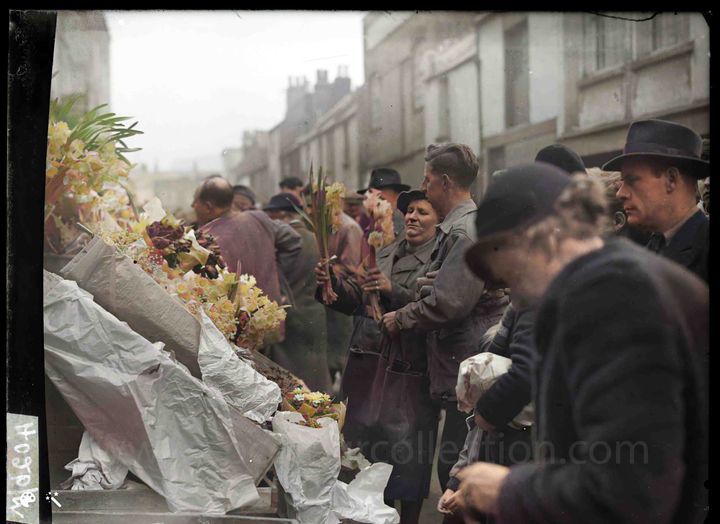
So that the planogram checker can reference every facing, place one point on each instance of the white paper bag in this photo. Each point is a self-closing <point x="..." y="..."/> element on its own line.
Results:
<point x="167" y="427"/>
<point x="476" y="376"/>
<point x="308" y="466"/>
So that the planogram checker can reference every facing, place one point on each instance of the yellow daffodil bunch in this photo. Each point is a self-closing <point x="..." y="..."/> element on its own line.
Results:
<point x="313" y="406"/>
<point x="83" y="162"/>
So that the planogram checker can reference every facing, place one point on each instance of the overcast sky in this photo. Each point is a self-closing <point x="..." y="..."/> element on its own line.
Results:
<point x="196" y="79"/>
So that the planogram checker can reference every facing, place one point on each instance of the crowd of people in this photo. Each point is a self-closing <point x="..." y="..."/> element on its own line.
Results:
<point x="593" y="282"/>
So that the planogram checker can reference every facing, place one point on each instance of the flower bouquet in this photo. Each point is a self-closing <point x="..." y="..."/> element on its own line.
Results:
<point x="378" y="234"/>
<point x="189" y="266"/>
<point x="323" y="218"/>
<point x="313" y="406"/>
<point x="85" y="173"/>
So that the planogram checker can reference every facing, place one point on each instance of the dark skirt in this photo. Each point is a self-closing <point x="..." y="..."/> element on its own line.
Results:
<point x="410" y="456"/>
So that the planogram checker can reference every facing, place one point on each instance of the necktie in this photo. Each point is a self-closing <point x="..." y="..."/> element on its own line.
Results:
<point x="656" y="242"/>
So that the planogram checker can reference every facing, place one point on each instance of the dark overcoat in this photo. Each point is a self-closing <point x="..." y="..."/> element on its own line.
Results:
<point x="621" y="399"/>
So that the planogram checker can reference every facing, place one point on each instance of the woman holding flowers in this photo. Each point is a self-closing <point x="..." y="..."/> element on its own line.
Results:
<point x="398" y="268"/>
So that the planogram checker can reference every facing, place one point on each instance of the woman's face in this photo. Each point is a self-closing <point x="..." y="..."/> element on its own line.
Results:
<point x="420" y="221"/>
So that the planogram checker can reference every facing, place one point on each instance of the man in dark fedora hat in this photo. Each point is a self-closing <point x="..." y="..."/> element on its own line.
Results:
<point x="386" y="181"/>
<point x="661" y="165"/>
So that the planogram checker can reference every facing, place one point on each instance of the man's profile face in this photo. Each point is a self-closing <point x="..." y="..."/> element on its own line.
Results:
<point x="203" y="211"/>
<point x="432" y="184"/>
<point x="644" y="194"/>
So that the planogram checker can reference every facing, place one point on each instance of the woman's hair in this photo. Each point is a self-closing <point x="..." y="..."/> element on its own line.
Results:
<point x="581" y="213"/>
<point x="611" y="181"/>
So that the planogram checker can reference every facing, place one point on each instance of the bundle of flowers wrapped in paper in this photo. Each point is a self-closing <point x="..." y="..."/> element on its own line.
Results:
<point x="323" y="217"/>
<point x="85" y="174"/>
<point x="189" y="265"/>
<point x="313" y="406"/>
<point x="378" y="234"/>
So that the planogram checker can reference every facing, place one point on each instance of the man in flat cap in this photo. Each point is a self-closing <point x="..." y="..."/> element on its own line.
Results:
<point x="661" y="165"/>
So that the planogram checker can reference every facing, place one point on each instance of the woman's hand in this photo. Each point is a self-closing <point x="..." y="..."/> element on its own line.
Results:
<point x="375" y="280"/>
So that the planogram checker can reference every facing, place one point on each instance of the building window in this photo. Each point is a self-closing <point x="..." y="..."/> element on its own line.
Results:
<point x="517" y="75"/>
<point x="330" y="148"/>
<point x="443" y="109"/>
<point x="605" y="42"/>
<point x="669" y="29"/>
<point x="419" y="72"/>
<point x="496" y="159"/>
<point x="375" y="102"/>
<point x="346" y="146"/>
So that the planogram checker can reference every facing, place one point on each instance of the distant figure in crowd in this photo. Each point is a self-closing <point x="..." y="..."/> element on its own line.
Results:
<point x="620" y="387"/>
<point x="661" y="164"/>
<point x="304" y="350"/>
<point x="704" y="185"/>
<point x="561" y="156"/>
<point x="387" y="183"/>
<point x="455" y="310"/>
<point x="248" y="240"/>
<point x="618" y="219"/>
<point x="243" y="198"/>
<point x="345" y="244"/>
<point x="294" y="185"/>
<point x="353" y="207"/>
<point x="399" y="268"/>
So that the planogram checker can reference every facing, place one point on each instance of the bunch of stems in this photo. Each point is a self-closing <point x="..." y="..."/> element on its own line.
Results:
<point x="319" y="219"/>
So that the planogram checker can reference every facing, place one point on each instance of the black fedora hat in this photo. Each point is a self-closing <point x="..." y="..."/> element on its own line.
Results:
<point x="382" y="177"/>
<point x="283" y="202"/>
<point x="561" y="156"/>
<point x="663" y="139"/>
<point x="516" y="199"/>
<point x="406" y="197"/>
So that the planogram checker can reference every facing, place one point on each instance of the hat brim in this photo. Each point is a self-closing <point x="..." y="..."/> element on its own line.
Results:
<point x="474" y="255"/>
<point x="397" y="187"/>
<point x="407" y="197"/>
<point x="279" y="208"/>
<point x="702" y="167"/>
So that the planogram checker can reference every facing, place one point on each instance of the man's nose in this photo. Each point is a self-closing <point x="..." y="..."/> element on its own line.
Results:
<point x="622" y="193"/>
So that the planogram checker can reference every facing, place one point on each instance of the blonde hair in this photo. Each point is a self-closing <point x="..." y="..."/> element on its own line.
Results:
<point x="581" y="213"/>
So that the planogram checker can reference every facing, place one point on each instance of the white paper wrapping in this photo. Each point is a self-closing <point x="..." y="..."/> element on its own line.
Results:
<point x="362" y="499"/>
<point x="94" y="469"/>
<point x="476" y="376"/>
<point x="308" y="466"/>
<point x="125" y="290"/>
<point x="248" y="391"/>
<point x="168" y="428"/>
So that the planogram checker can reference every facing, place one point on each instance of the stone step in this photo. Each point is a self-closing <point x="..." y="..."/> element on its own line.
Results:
<point x="113" y="517"/>
<point x="140" y="499"/>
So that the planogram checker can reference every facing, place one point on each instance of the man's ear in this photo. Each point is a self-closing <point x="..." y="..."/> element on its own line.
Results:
<point x="672" y="179"/>
<point x="447" y="183"/>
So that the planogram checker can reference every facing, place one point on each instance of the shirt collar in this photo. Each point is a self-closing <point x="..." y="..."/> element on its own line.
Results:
<point x="456" y="214"/>
<point x="670" y="233"/>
